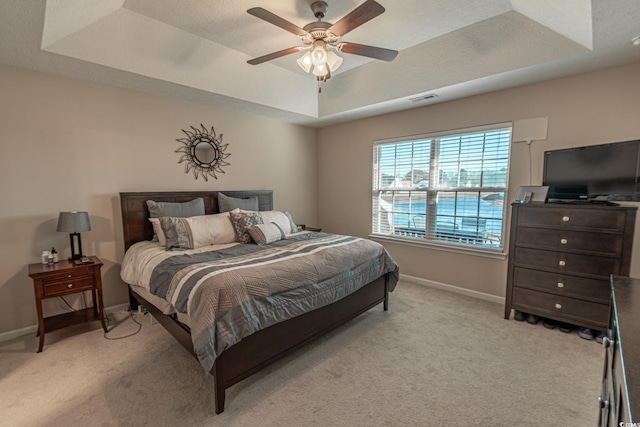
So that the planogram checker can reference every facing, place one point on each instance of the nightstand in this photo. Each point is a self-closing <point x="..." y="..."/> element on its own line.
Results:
<point x="65" y="278"/>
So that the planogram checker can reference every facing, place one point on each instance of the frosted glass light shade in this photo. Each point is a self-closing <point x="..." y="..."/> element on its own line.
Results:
<point x="305" y="62"/>
<point x="333" y="61"/>
<point x="319" y="53"/>
<point x="320" y="70"/>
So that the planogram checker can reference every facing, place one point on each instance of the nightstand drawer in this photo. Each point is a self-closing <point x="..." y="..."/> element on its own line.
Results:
<point x="595" y="290"/>
<point x="571" y="310"/>
<point x="571" y="241"/>
<point x="566" y="263"/>
<point x="58" y="287"/>
<point x="594" y="219"/>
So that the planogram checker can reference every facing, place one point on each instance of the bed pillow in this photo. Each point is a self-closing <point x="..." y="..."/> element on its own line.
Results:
<point x="172" y="209"/>
<point x="197" y="231"/>
<point x="157" y="231"/>
<point x="283" y="219"/>
<point x="192" y="208"/>
<point x="242" y="221"/>
<point x="227" y="204"/>
<point x="263" y="234"/>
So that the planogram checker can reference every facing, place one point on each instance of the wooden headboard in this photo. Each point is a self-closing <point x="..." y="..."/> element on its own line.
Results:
<point x="135" y="214"/>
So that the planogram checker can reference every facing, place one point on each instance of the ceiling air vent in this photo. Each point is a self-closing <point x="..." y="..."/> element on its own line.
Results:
<point x="423" y="97"/>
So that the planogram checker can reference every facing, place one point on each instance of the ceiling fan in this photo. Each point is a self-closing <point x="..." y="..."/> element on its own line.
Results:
<point x="321" y="38"/>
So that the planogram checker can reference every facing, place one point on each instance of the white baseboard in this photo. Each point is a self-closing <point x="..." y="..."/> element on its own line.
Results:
<point x="451" y="288"/>
<point x="6" y="336"/>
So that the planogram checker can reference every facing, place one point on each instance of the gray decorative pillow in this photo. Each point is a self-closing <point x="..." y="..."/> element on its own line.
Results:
<point x="227" y="204"/>
<point x="263" y="234"/>
<point x="176" y="233"/>
<point x="242" y="221"/>
<point x="182" y="210"/>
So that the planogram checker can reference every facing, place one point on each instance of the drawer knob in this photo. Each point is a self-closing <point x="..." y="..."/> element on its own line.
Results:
<point x="607" y="342"/>
<point x="560" y="285"/>
<point x="558" y="306"/>
<point x="604" y="404"/>
<point x="562" y="263"/>
<point x="70" y="285"/>
<point x="565" y="218"/>
<point x="563" y="241"/>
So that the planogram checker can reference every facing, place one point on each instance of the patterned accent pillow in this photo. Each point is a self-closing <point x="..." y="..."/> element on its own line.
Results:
<point x="263" y="234"/>
<point x="176" y="233"/>
<point x="242" y="221"/>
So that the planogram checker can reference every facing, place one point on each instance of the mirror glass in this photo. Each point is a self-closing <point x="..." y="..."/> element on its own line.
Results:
<point x="204" y="153"/>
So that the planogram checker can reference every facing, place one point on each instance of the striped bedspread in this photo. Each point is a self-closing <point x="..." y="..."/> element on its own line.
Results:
<point x="233" y="292"/>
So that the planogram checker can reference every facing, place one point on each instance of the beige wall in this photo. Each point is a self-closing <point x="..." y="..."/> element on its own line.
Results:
<point x="73" y="145"/>
<point x="587" y="109"/>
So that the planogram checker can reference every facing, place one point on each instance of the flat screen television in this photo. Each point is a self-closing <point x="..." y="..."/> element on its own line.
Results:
<point x="605" y="172"/>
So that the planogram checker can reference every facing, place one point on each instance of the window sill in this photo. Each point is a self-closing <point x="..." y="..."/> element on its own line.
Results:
<point x="488" y="253"/>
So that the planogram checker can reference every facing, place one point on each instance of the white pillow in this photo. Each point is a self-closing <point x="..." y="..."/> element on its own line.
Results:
<point x="197" y="231"/>
<point x="283" y="219"/>
<point x="211" y="229"/>
<point x="157" y="230"/>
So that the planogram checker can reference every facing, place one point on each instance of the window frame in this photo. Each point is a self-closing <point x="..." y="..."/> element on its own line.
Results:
<point x="428" y="238"/>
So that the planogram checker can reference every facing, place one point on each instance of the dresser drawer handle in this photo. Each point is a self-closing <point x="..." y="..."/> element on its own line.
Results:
<point x="563" y="241"/>
<point x="565" y="218"/>
<point x="560" y="285"/>
<point x="69" y="276"/>
<point x="562" y="263"/>
<point x="558" y="306"/>
<point x="70" y="285"/>
<point x="607" y="342"/>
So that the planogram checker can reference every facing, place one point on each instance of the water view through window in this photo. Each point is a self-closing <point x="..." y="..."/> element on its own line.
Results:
<point x="449" y="189"/>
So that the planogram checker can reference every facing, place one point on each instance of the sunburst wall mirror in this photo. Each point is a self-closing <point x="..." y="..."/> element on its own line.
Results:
<point x="203" y="152"/>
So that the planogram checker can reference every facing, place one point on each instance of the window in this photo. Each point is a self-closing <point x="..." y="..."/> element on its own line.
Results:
<point x="444" y="188"/>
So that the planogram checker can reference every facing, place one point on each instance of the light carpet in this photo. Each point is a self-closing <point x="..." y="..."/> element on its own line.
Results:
<point x="434" y="359"/>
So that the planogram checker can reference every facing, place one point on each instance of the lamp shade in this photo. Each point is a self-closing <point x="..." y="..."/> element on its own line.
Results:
<point x="74" y="222"/>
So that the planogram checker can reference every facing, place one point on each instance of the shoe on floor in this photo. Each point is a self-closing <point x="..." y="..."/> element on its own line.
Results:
<point x="549" y="323"/>
<point x="519" y="316"/>
<point x="585" y="333"/>
<point x="599" y="336"/>
<point x="565" y="327"/>
<point x="533" y="319"/>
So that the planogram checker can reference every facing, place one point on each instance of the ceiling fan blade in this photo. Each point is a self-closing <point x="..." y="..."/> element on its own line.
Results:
<point x="358" y="16"/>
<point x="274" y="19"/>
<point x="274" y="55"/>
<point x="370" y="51"/>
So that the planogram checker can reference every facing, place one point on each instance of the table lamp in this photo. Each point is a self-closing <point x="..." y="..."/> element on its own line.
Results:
<point x="74" y="223"/>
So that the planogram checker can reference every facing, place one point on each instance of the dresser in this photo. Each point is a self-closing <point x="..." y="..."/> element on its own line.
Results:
<point x="561" y="257"/>
<point x="619" y="400"/>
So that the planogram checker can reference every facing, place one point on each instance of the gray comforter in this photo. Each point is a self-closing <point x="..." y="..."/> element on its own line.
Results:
<point x="231" y="293"/>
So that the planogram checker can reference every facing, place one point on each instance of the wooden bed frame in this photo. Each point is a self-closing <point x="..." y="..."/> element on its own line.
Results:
<point x="263" y="347"/>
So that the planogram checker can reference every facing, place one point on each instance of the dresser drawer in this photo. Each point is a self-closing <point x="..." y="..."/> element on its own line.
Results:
<point x="566" y="263"/>
<point x="595" y="290"/>
<point x="571" y="241"/>
<point x="571" y="310"/>
<point x="594" y="219"/>
<point x="70" y="282"/>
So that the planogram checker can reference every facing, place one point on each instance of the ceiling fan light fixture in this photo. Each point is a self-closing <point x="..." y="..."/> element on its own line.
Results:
<point x="320" y="70"/>
<point x="305" y="62"/>
<point x="333" y="61"/>
<point x="319" y="53"/>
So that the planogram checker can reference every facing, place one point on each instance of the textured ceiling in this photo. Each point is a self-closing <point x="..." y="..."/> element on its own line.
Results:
<point x="197" y="49"/>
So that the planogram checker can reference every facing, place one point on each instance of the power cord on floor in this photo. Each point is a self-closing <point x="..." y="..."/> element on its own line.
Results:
<point x="125" y="336"/>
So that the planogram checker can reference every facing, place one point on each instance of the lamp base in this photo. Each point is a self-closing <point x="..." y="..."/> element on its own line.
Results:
<point x="75" y="255"/>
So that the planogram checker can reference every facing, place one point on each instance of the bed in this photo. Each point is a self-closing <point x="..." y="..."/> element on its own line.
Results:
<point x="252" y="350"/>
